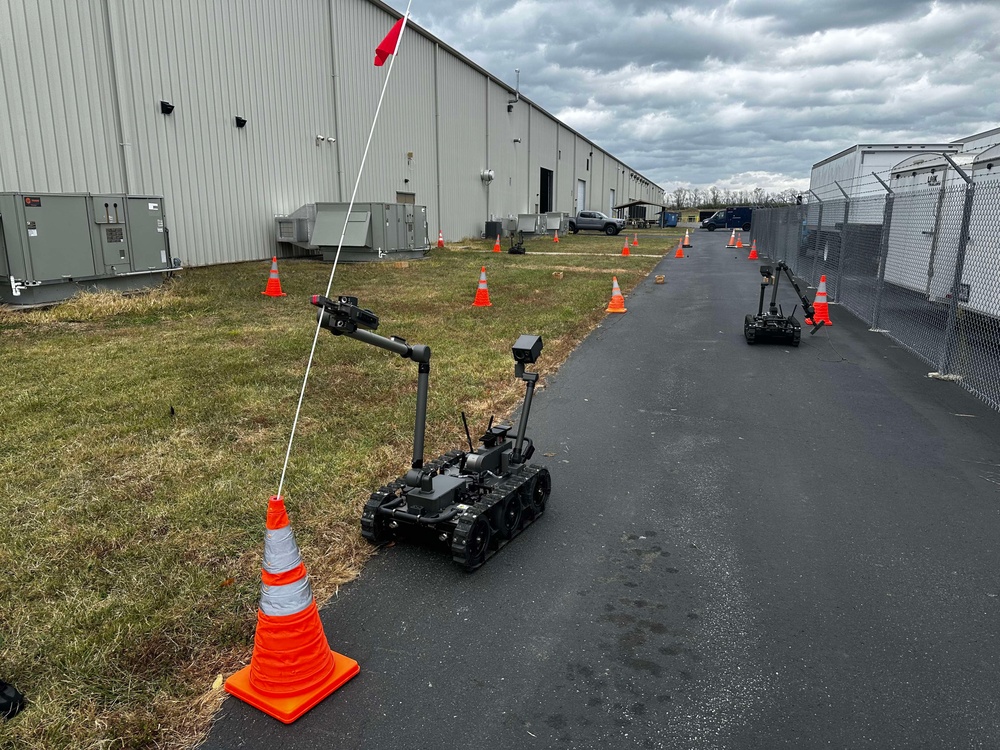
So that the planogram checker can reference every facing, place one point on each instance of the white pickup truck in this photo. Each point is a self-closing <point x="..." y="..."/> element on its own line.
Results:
<point x="596" y="220"/>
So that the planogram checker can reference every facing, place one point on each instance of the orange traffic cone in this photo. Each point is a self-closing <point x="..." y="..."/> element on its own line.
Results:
<point x="292" y="668"/>
<point x="680" y="251"/>
<point x="635" y="242"/>
<point x="440" y="238"/>
<point x="617" y="304"/>
<point x="687" y="239"/>
<point x="739" y="240"/>
<point x="732" y="240"/>
<point x="820" y="305"/>
<point x="625" y="247"/>
<point x="753" y="251"/>
<point x="556" y="238"/>
<point x="496" y="245"/>
<point x="273" y="288"/>
<point x="482" y="293"/>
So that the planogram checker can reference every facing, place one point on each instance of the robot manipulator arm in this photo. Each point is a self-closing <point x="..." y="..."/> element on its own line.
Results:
<point x="807" y="306"/>
<point x="343" y="315"/>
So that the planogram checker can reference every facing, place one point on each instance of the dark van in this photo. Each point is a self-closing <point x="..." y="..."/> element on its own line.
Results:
<point x="729" y="218"/>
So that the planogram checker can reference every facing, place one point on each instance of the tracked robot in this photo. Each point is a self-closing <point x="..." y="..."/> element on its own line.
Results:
<point x="773" y="325"/>
<point x="471" y="502"/>
<point x="516" y="248"/>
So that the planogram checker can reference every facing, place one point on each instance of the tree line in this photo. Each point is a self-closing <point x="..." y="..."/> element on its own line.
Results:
<point x="713" y="197"/>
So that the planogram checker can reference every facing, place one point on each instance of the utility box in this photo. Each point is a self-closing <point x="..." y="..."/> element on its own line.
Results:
<point x="53" y="246"/>
<point x="373" y="232"/>
<point x="530" y="223"/>
<point x="556" y="221"/>
<point x="493" y="229"/>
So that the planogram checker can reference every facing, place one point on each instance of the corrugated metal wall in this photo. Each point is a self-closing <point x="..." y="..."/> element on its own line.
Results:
<point x="463" y="125"/>
<point x="58" y="123"/>
<point x="215" y="61"/>
<point x="565" y="175"/>
<point x="407" y="123"/>
<point x="82" y="82"/>
<point x="505" y="200"/>
<point x="543" y="136"/>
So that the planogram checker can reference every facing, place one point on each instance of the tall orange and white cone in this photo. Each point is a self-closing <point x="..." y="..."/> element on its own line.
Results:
<point x="687" y="239"/>
<point x="273" y="288"/>
<point x="440" y="238"/>
<point x="293" y="667"/>
<point x="753" y="251"/>
<point x="496" y="245"/>
<point x="732" y="240"/>
<point x="556" y="237"/>
<point x="617" y="304"/>
<point x="635" y="242"/>
<point x="482" y="292"/>
<point x="625" y="250"/>
<point x="680" y="250"/>
<point x="739" y="240"/>
<point x="820" y="305"/>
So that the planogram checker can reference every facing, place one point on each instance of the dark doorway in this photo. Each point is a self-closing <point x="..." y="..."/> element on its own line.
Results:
<point x="545" y="190"/>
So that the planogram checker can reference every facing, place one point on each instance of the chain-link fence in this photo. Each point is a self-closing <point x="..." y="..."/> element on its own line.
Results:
<point x="920" y="264"/>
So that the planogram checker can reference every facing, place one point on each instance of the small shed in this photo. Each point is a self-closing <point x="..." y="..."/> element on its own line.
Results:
<point x="641" y="214"/>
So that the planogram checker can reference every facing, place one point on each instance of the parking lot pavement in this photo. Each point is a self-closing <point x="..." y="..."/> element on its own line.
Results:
<point x="745" y="546"/>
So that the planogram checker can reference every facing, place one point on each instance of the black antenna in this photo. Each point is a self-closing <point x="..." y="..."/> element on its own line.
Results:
<point x="468" y="435"/>
<point x="490" y="425"/>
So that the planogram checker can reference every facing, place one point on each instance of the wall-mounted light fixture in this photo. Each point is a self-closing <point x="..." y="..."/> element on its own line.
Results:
<point x="166" y="107"/>
<point x="517" y="140"/>
<point x="517" y="92"/>
<point x="241" y="122"/>
<point x="331" y="139"/>
<point x="320" y="139"/>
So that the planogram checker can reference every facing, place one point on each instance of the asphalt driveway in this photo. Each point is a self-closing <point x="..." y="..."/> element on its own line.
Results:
<point x="745" y="547"/>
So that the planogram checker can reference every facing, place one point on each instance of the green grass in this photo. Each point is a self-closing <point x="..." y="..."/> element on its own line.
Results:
<point x="143" y="435"/>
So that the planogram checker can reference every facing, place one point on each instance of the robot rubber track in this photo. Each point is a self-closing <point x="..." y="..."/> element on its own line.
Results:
<point x="484" y="525"/>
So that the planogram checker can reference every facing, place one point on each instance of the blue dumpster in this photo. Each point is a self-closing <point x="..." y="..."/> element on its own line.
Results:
<point x="669" y="219"/>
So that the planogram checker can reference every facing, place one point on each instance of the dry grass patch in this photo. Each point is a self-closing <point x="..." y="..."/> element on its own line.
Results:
<point x="143" y="435"/>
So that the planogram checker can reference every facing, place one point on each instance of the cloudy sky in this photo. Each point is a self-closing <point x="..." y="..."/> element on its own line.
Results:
<point x="739" y="94"/>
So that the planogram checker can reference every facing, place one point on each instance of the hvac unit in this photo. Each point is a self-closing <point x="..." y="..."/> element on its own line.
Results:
<point x="55" y="245"/>
<point x="374" y="231"/>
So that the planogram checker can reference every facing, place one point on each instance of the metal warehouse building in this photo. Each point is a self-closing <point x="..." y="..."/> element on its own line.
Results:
<point x="144" y="97"/>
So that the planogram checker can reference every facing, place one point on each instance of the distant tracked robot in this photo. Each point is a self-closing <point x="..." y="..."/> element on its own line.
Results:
<point x="516" y="248"/>
<point x="472" y="502"/>
<point x="773" y="325"/>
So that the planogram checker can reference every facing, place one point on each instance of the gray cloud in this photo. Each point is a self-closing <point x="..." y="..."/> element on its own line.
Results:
<point x="695" y="94"/>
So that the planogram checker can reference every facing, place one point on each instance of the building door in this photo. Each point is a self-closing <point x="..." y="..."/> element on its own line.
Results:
<point x="545" y="190"/>
<point x="581" y="195"/>
<point x="611" y="202"/>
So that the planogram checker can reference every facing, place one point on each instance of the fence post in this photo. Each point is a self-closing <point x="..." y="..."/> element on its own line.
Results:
<point x="883" y="251"/>
<point x="950" y="348"/>
<point x="835" y="296"/>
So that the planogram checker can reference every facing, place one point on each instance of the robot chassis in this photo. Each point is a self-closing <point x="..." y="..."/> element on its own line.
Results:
<point x="773" y="325"/>
<point x="473" y="502"/>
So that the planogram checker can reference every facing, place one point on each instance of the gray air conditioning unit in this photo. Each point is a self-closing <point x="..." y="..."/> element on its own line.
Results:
<point x="55" y="245"/>
<point x="374" y="231"/>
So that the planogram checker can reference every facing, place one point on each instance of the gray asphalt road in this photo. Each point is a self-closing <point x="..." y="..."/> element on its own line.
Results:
<point x="745" y="547"/>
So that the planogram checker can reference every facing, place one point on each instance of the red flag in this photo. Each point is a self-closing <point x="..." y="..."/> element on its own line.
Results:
<point x="388" y="45"/>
